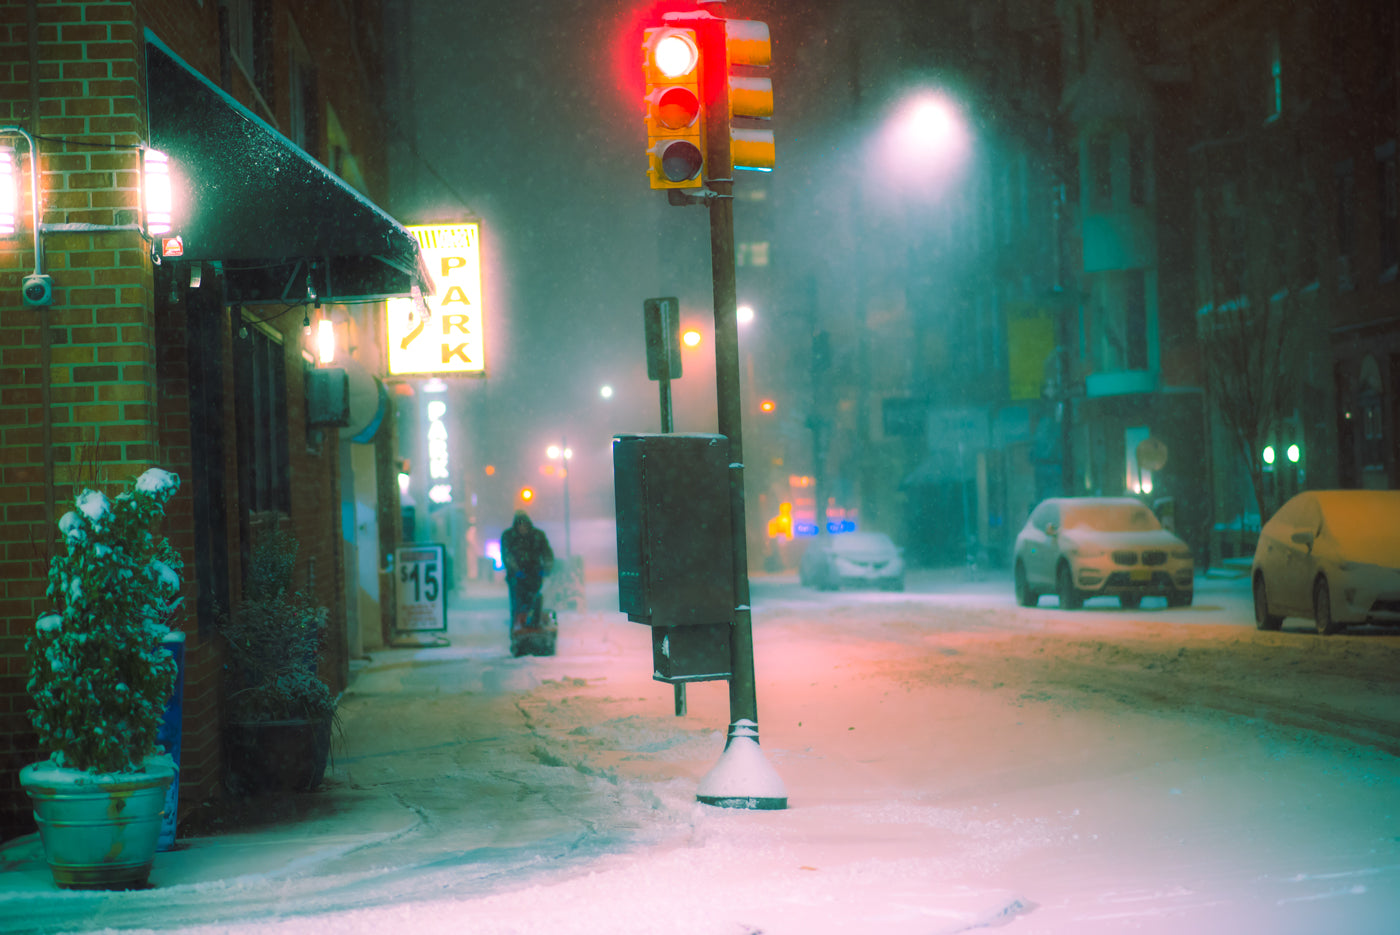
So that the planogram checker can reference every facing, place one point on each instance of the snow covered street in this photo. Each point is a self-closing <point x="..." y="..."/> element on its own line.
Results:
<point x="952" y="761"/>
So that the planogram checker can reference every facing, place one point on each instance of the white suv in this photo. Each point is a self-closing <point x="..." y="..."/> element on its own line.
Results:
<point x="1082" y="547"/>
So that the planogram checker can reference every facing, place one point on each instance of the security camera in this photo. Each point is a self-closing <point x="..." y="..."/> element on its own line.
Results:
<point x="38" y="290"/>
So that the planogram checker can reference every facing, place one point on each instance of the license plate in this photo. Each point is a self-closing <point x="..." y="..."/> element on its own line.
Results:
<point x="1140" y="574"/>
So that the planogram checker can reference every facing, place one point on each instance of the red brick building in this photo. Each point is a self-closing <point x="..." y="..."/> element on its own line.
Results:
<point x="197" y="360"/>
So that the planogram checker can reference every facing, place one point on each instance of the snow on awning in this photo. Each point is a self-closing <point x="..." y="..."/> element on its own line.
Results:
<point x="247" y="196"/>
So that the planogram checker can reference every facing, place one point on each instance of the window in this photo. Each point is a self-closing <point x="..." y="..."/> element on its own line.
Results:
<point x="267" y="463"/>
<point x="1100" y="172"/>
<point x="1346" y="219"/>
<point x="247" y="41"/>
<point x="1137" y="169"/>
<point x="1119" y="312"/>
<point x="304" y="105"/>
<point x="1273" y="108"/>
<point x="1389" y="208"/>
<point x="1387" y="30"/>
<point x="754" y="253"/>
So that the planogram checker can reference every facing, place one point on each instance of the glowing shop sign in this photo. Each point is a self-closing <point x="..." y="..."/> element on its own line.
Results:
<point x="447" y="338"/>
<point x="439" y="491"/>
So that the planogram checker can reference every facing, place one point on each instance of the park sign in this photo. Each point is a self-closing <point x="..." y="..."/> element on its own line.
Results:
<point x="441" y="333"/>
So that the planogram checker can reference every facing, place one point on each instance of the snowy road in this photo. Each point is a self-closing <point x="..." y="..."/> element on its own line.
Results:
<point x="952" y="761"/>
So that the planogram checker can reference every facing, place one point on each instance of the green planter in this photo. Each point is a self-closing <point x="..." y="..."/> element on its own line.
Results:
<point x="99" y="830"/>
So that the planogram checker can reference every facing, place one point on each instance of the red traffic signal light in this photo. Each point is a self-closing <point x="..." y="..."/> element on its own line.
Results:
<point x="675" y="124"/>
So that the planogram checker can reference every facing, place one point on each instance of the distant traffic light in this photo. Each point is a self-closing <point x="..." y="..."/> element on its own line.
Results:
<point x="527" y="494"/>
<point x="675" y="125"/>
<point x="767" y="406"/>
<point x="749" y="48"/>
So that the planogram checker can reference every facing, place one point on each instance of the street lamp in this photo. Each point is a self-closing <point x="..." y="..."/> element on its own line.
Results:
<point x="912" y="163"/>
<point x="563" y="452"/>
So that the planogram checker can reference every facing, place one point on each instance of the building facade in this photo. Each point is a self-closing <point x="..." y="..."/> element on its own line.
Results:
<point x="198" y="355"/>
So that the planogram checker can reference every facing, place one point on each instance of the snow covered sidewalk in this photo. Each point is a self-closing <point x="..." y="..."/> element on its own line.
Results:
<point x="952" y="763"/>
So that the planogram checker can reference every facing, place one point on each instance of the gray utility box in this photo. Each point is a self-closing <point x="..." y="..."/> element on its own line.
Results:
<point x="328" y="397"/>
<point x="675" y="564"/>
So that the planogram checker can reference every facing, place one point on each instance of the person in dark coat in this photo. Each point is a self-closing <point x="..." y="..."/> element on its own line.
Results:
<point x="528" y="558"/>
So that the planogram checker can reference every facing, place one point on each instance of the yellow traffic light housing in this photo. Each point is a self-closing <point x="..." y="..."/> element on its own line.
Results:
<point x="749" y="48"/>
<point x="674" y="114"/>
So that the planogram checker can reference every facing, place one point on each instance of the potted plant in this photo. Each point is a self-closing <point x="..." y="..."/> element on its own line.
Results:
<point x="99" y="679"/>
<point x="278" y="712"/>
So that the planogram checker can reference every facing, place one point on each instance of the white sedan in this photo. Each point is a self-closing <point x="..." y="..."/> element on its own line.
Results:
<point x="1332" y="556"/>
<point x="853" y="558"/>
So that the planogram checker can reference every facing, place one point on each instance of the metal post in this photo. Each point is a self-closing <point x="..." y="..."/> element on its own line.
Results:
<point x="668" y="426"/>
<point x="717" y="789"/>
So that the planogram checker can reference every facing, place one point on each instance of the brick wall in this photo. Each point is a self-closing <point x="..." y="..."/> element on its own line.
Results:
<point x="119" y="364"/>
<point x="103" y="362"/>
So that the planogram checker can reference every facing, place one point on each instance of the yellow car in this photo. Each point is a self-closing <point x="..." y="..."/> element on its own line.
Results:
<point x="1332" y="556"/>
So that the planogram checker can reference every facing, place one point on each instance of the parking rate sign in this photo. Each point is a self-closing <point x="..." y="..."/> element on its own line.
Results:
<point x="448" y="340"/>
<point x="422" y="598"/>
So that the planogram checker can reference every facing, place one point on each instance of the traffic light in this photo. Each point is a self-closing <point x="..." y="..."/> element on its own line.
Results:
<point x="675" y="124"/>
<point x="748" y="48"/>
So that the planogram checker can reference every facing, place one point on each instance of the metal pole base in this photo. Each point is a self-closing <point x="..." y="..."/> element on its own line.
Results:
<point x="742" y="778"/>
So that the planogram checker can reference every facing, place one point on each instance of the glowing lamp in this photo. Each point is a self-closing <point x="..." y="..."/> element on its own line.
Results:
<point x="158" y="194"/>
<point x="9" y="192"/>
<point x="325" y="341"/>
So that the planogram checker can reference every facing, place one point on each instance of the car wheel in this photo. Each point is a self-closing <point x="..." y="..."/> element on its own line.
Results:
<point x="1024" y="595"/>
<point x="1322" y="609"/>
<point x="1262" y="618"/>
<point x="1180" y="598"/>
<point x="1130" y="601"/>
<point x="1071" y="598"/>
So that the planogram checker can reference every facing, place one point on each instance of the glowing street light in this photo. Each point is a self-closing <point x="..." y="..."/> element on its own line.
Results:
<point x="556" y="453"/>
<point x="690" y="338"/>
<point x="605" y="391"/>
<point x="744" y="314"/>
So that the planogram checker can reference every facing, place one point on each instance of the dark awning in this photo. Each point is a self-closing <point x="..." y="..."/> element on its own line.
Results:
<point x="247" y="196"/>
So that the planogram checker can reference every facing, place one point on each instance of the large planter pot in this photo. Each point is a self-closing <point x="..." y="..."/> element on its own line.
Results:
<point x="99" y="830"/>
<point x="278" y="756"/>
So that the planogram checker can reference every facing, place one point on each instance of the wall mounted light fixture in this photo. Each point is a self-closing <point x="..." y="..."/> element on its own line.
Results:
<point x="159" y="202"/>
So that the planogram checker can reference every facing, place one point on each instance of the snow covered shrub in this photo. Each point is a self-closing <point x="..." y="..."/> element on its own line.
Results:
<point x="275" y="638"/>
<point x="99" y="677"/>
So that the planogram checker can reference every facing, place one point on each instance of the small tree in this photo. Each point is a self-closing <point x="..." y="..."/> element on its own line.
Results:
<point x="99" y="677"/>
<point x="275" y="638"/>
<point x="1244" y="350"/>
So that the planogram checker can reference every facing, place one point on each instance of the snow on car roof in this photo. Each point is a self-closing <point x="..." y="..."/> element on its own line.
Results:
<point x="1108" y="515"/>
<point x="1366" y="523"/>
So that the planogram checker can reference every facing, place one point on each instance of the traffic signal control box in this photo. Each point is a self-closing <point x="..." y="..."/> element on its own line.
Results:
<point x="674" y="549"/>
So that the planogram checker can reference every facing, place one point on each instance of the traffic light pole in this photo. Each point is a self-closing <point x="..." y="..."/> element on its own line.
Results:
<point x="742" y="778"/>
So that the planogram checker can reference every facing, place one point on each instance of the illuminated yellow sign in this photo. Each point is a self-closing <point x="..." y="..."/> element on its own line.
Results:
<point x="448" y="338"/>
